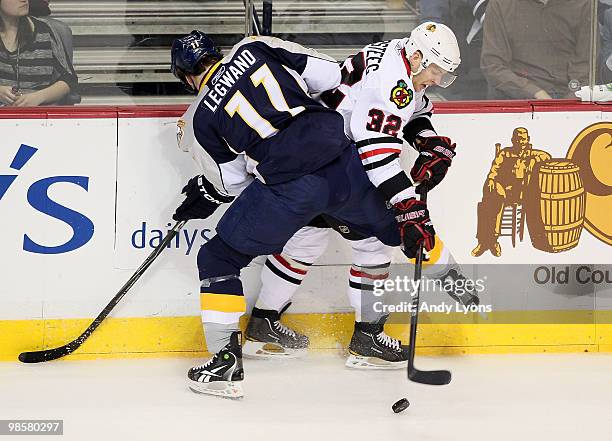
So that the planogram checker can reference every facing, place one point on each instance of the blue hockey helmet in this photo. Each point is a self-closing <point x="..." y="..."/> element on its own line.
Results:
<point x="188" y="51"/>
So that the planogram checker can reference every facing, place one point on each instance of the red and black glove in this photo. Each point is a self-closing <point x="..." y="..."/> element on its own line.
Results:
<point x="201" y="200"/>
<point x="415" y="226"/>
<point x="436" y="154"/>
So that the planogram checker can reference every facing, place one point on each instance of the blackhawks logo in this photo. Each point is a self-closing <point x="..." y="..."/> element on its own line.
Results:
<point x="401" y="95"/>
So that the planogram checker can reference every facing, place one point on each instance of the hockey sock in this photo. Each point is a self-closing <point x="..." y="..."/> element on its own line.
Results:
<point x="441" y="265"/>
<point x="281" y="277"/>
<point x="218" y="335"/>
<point x="221" y="311"/>
<point x="222" y="300"/>
<point x="361" y="290"/>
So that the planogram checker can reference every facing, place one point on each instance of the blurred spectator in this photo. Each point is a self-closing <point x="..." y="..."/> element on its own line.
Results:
<point x="40" y="8"/>
<point x="605" y="12"/>
<point x="34" y="66"/>
<point x="465" y="18"/>
<point x="315" y="17"/>
<point x="434" y="10"/>
<point x="536" y="48"/>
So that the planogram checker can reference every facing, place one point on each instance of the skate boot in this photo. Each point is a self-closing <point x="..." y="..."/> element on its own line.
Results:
<point x="371" y="348"/>
<point x="222" y="375"/>
<point x="267" y="337"/>
<point x="454" y="284"/>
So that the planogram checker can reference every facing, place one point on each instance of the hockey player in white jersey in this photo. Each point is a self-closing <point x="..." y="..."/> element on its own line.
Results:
<point x="382" y="99"/>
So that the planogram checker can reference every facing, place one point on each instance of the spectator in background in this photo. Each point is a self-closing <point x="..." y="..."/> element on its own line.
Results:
<point x="536" y="48"/>
<point x="465" y="18"/>
<point x="34" y="67"/>
<point x="605" y="12"/>
<point x="434" y="10"/>
<point x="40" y="8"/>
<point x="315" y="17"/>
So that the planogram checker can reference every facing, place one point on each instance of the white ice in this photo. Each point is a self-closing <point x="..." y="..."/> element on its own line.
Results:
<point x="492" y="397"/>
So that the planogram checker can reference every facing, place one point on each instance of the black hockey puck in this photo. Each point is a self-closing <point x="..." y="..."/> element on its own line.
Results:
<point x="400" y="405"/>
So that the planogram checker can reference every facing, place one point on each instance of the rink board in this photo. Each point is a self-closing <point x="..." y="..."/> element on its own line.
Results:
<point x="182" y="336"/>
<point x="87" y="193"/>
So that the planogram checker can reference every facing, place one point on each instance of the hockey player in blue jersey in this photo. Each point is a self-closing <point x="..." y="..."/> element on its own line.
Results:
<point x="253" y="116"/>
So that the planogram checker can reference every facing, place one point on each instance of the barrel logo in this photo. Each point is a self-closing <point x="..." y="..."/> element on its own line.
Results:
<point x="553" y="199"/>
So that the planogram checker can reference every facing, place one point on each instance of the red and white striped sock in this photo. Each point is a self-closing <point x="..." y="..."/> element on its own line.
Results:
<point x="281" y="277"/>
<point x="361" y="290"/>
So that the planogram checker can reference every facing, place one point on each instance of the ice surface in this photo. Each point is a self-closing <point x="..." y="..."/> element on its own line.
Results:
<point x="493" y="398"/>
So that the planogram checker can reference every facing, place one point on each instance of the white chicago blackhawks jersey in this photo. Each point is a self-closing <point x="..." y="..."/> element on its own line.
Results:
<point x="377" y="100"/>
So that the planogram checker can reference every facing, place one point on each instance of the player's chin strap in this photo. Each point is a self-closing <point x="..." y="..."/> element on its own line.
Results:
<point x="197" y="91"/>
<point x="411" y="71"/>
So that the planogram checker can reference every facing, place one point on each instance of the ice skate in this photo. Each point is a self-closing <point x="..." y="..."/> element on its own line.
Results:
<point x="371" y="348"/>
<point x="222" y="375"/>
<point x="267" y="337"/>
<point x="454" y="285"/>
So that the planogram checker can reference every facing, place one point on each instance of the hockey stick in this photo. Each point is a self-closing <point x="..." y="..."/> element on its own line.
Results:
<point x="256" y="24"/>
<point x="437" y="378"/>
<point x="52" y="354"/>
<point x="267" y="18"/>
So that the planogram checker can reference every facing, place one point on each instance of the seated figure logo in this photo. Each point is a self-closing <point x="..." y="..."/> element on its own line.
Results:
<point x="38" y="198"/>
<point x="555" y="197"/>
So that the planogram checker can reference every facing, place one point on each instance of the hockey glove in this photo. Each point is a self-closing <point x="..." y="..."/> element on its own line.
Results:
<point x="201" y="200"/>
<point x="435" y="156"/>
<point x="415" y="226"/>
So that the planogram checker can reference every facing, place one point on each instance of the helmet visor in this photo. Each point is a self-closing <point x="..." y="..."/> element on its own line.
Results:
<point x="441" y="77"/>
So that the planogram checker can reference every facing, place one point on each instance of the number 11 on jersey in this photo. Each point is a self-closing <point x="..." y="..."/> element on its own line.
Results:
<point x="240" y="105"/>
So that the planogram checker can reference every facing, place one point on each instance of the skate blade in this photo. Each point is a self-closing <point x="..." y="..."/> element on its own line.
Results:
<point x="361" y="362"/>
<point x="224" y="389"/>
<point x="261" y="350"/>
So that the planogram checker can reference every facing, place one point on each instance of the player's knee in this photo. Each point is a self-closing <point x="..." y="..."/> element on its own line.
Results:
<point x="307" y="245"/>
<point x="371" y="253"/>
<point x="216" y="259"/>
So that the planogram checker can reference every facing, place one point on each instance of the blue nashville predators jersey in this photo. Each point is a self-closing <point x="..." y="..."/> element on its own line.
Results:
<point x="254" y="115"/>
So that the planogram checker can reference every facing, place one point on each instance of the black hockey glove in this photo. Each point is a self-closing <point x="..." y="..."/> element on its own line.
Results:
<point x="436" y="154"/>
<point x="415" y="226"/>
<point x="201" y="200"/>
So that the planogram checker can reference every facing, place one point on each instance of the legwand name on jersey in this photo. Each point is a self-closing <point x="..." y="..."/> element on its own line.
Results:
<point x="227" y="77"/>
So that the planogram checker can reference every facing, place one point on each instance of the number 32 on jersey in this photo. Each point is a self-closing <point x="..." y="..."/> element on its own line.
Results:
<point x="382" y="123"/>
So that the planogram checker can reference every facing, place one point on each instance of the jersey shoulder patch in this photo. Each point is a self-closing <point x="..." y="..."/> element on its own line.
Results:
<point x="401" y="94"/>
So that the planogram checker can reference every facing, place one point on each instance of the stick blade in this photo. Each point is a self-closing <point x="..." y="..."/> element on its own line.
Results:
<point x="435" y="378"/>
<point x="45" y="355"/>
